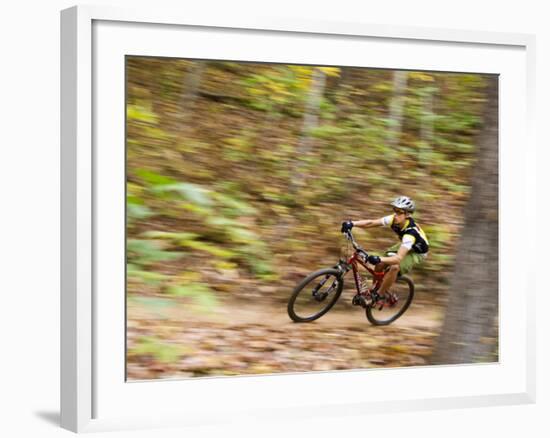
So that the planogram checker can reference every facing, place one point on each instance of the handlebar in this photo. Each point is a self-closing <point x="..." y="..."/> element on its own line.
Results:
<point x="355" y="245"/>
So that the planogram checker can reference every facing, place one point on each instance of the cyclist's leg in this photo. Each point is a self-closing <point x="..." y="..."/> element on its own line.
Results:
<point x="390" y="251"/>
<point x="411" y="260"/>
<point x="389" y="278"/>
<point x="393" y="270"/>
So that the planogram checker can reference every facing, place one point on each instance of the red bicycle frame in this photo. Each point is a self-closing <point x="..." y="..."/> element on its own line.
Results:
<point x="358" y="258"/>
<point x="377" y="276"/>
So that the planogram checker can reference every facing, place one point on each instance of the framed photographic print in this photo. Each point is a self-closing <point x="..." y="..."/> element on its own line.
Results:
<point x="258" y="208"/>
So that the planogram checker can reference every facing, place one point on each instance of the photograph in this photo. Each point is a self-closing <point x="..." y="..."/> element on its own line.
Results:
<point x="291" y="218"/>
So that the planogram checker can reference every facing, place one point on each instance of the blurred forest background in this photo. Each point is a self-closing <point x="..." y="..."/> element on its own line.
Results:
<point x="238" y="178"/>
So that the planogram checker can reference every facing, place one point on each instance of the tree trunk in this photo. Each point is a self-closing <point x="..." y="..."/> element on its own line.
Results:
<point x="427" y="123"/>
<point x="470" y="331"/>
<point x="396" y="107"/>
<point x="189" y="95"/>
<point x="427" y="134"/>
<point x="311" y="120"/>
<point x="298" y="174"/>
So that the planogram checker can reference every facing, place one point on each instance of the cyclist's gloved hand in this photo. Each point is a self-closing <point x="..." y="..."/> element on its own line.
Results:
<point x="346" y="226"/>
<point x="373" y="260"/>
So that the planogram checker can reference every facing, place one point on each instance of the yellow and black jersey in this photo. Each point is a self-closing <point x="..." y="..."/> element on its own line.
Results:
<point x="411" y="235"/>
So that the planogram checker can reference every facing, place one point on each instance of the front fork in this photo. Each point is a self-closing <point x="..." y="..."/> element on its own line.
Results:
<point x="321" y="296"/>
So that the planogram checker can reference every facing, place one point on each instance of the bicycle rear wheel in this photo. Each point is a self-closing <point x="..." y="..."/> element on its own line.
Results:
<point x="315" y="295"/>
<point x="394" y="303"/>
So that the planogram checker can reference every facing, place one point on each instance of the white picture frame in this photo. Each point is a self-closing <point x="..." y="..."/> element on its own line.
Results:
<point x="92" y="387"/>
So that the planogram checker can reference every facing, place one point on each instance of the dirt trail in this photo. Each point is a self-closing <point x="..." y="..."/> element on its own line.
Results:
<point x="419" y="315"/>
<point x="169" y="339"/>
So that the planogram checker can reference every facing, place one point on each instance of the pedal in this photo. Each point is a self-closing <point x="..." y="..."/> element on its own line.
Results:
<point x="358" y="300"/>
<point x="320" y="296"/>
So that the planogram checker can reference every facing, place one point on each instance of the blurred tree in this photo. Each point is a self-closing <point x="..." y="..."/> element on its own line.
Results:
<point x="427" y="125"/>
<point x="310" y="122"/>
<point x="470" y="326"/>
<point x="396" y="107"/>
<point x="189" y="94"/>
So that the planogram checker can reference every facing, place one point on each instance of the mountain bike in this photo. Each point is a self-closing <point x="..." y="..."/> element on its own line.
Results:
<point x="316" y="294"/>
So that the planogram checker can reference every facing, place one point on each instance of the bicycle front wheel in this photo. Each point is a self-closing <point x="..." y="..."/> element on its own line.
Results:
<point x="315" y="295"/>
<point x="394" y="303"/>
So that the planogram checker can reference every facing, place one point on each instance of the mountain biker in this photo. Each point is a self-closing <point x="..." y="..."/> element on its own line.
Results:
<point x="401" y="257"/>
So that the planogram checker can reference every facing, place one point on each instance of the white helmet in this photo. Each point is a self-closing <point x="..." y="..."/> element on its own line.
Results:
<point x="404" y="203"/>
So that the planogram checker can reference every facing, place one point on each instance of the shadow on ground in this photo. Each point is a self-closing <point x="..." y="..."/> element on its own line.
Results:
<point x="51" y="417"/>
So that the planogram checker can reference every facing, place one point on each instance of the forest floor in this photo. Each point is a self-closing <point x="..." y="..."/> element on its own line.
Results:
<point x="168" y="339"/>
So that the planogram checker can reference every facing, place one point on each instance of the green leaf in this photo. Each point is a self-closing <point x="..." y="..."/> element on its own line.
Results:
<point x="206" y="301"/>
<point x="200" y="211"/>
<point x="136" y="211"/>
<point x="140" y="114"/>
<point x="236" y="206"/>
<point x="143" y="252"/>
<point x="159" y="349"/>
<point x="153" y="302"/>
<point x="203" y="297"/>
<point x="153" y="234"/>
<point x="134" y="200"/>
<point x="147" y="277"/>
<point x="327" y="131"/>
<point x="206" y="247"/>
<point x="241" y="235"/>
<point x="191" y="192"/>
<point x="154" y="178"/>
<point x="221" y="222"/>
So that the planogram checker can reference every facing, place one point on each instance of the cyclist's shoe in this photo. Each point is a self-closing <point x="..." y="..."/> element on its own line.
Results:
<point x="376" y="296"/>
<point x="391" y="299"/>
